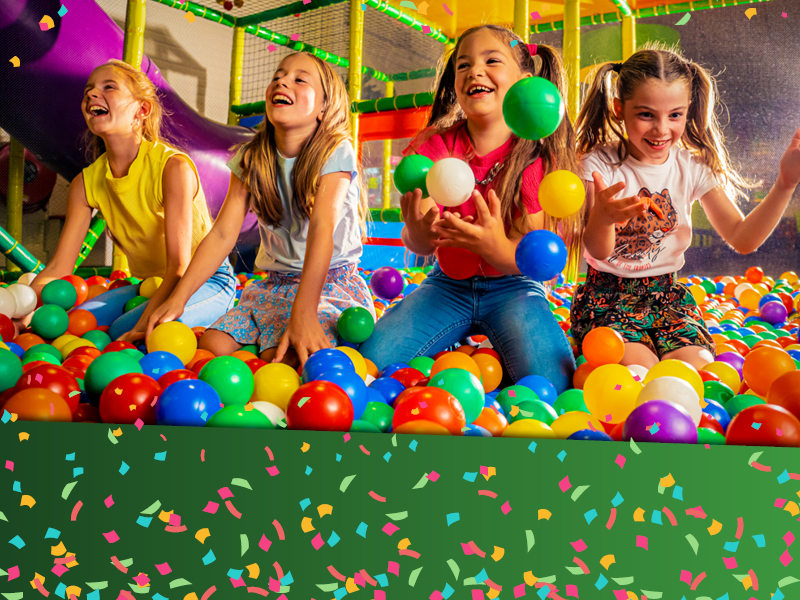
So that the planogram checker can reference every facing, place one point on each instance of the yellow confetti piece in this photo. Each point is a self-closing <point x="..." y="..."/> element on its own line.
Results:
<point x="750" y="13"/>
<point x="544" y="514"/>
<point x="414" y="411"/>
<point x="498" y="553"/>
<point x="73" y="590"/>
<point x="189" y="17"/>
<point x="514" y="410"/>
<point x="529" y="578"/>
<point x="791" y="508"/>
<point x="715" y="528"/>
<point x="490" y="472"/>
<point x="350" y="585"/>
<point x="404" y="543"/>
<point x="305" y="447"/>
<point x="14" y="60"/>
<point x="24" y="436"/>
<point x="48" y="23"/>
<point x="638" y="515"/>
<point x="132" y="408"/>
<point x="164" y="516"/>
<point x="58" y="550"/>
<point x="249" y="406"/>
<point x="324" y="509"/>
<point x="117" y="432"/>
<point x="13" y="417"/>
<point x="191" y="596"/>
<point x="667" y="481"/>
<point x="607" y="561"/>
<point x="306" y="525"/>
<point x="632" y="596"/>
<point x="118" y="391"/>
<point x="253" y="571"/>
<point x="201" y="535"/>
<point x="74" y="563"/>
<point x="747" y="582"/>
<point x="492" y="593"/>
<point x="27" y="501"/>
<point x="35" y="577"/>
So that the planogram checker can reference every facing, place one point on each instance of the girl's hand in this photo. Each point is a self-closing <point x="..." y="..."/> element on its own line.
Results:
<point x="789" y="175"/>
<point x="170" y="310"/>
<point x="305" y="335"/>
<point x="478" y="235"/>
<point x="134" y="335"/>
<point x="419" y="224"/>
<point x="611" y="210"/>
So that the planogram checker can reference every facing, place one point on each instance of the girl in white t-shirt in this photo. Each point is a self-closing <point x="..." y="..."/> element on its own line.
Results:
<point x="659" y="149"/>
<point x="300" y="176"/>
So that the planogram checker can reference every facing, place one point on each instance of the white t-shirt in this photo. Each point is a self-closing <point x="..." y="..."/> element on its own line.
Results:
<point x="283" y="248"/>
<point x="648" y="246"/>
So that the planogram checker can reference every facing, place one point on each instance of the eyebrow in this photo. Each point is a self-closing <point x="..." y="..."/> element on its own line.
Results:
<point x="652" y="109"/>
<point x="485" y="53"/>
<point x="303" y="71"/>
<point x="88" y="85"/>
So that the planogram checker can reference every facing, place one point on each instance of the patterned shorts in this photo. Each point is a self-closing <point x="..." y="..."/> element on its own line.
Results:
<point x="656" y="311"/>
<point x="265" y="306"/>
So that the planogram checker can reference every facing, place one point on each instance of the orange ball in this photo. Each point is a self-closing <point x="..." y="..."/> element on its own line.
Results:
<point x="770" y="343"/>
<point x="581" y="373"/>
<point x="492" y="421"/>
<point x="456" y="360"/>
<point x="26" y="340"/>
<point x="491" y="371"/>
<point x="468" y="350"/>
<point x="200" y="355"/>
<point x="39" y="404"/>
<point x="421" y="427"/>
<point x="372" y="368"/>
<point x="97" y="280"/>
<point x="81" y="321"/>
<point x="603" y="346"/>
<point x="95" y="290"/>
<point x="243" y="355"/>
<point x="754" y="275"/>
<point x="762" y="366"/>
<point x="785" y="392"/>
<point x="80" y="286"/>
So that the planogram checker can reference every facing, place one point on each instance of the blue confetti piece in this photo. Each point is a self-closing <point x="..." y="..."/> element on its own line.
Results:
<point x="723" y="597"/>
<point x="653" y="431"/>
<point x="362" y="530"/>
<point x="304" y="504"/>
<point x="70" y="456"/>
<point x="413" y="445"/>
<point x="382" y="579"/>
<point x="562" y="411"/>
<point x="387" y="456"/>
<point x="543" y="591"/>
<point x="562" y="455"/>
<point x="778" y="595"/>
<point x="209" y="558"/>
<point x="333" y="540"/>
<point x="52" y="534"/>
<point x="731" y="546"/>
<point x="338" y="457"/>
<point x="93" y="595"/>
<point x="447" y="591"/>
<point x="308" y="470"/>
<point x="783" y="477"/>
<point x="471" y="476"/>
<point x="6" y="416"/>
<point x="144" y="521"/>
<point x="162" y="456"/>
<point x="155" y="372"/>
<point x="287" y="579"/>
<point x="601" y="582"/>
<point x="235" y="573"/>
<point x="618" y="499"/>
<point x="514" y="43"/>
<point x="760" y="542"/>
<point x="124" y="468"/>
<point x="340" y="593"/>
<point x="61" y="589"/>
<point x="452" y="518"/>
<point x="17" y="541"/>
<point x="677" y="492"/>
<point x="204" y="416"/>
<point x="17" y="487"/>
<point x="364" y="7"/>
<point x="590" y="515"/>
<point x="158" y="596"/>
<point x="77" y="471"/>
<point x="481" y="577"/>
<point x="532" y="447"/>
<point x="62" y="11"/>
<point x="756" y="426"/>
<point x="656" y="518"/>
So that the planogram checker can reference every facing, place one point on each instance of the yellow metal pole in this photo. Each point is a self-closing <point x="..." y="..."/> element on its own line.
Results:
<point x="237" y="67"/>
<point x="355" y="56"/>
<point x="572" y="55"/>
<point x="522" y="19"/>
<point x="387" y="159"/>
<point x="628" y="37"/>
<point x="16" y="182"/>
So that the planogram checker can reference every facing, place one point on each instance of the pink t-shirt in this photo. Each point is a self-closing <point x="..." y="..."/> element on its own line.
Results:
<point x="455" y="143"/>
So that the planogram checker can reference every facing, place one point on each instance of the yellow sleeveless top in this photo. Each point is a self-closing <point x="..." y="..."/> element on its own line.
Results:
<point x="133" y="207"/>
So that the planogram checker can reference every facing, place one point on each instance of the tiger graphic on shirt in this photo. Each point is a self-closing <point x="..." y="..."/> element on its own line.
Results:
<point x="641" y="239"/>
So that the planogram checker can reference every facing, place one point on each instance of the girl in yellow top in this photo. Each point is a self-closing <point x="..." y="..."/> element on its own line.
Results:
<point x="151" y="198"/>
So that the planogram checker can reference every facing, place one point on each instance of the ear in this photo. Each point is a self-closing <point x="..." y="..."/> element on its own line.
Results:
<point x="526" y="75"/>
<point x="146" y="109"/>
<point x="618" y="108"/>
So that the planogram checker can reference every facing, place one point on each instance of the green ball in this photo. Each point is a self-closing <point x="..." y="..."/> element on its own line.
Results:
<point x="378" y="414"/>
<point x="99" y="338"/>
<point x="520" y="394"/>
<point x="423" y="364"/>
<point x="50" y="321"/>
<point x="740" y="402"/>
<point x="751" y="340"/>
<point x="106" y="368"/>
<point x="732" y="335"/>
<point x="135" y="354"/>
<point x="716" y="390"/>
<point x="133" y="303"/>
<point x="465" y="387"/>
<point x="533" y="108"/>
<point x="251" y="348"/>
<point x="10" y="369"/>
<point x="767" y="335"/>
<point x="237" y="416"/>
<point x="709" y="286"/>
<point x="364" y="427"/>
<point x="411" y="174"/>
<point x="61" y="293"/>
<point x="709" y="436"/>
<point x="42" y="356"/>
<point x="580" y="360"/>
<point x="46" y="349"/>
<point x="569" y="401"/>
<point x="231" y="378"/>
<point x="355" y="324"/>
<point x="534" y="409"/>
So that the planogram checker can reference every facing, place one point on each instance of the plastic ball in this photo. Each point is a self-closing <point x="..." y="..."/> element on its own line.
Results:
<point x="356" y="324"/>
<point x="544" y="390"/>
<point x="174" y="337"/>
<point x="774" y="313"/>
<point x="570" y="422"/>
<point x="8" y="303"/>
<point x="716" y="390"/>
<point x="44" y="349"/>
<point x="39" y="404"/>
<point x="411" y="174"/>
<point x="450" y="182"/>
<point x="27" y="278"/>
<point x="541" y="255"/>
<point x="168" y="379"/>
<point x="591" y="435"/>
<point x="241" y="417"/>
<point x="491" y="371"/>
<point x="388" y="388"/>
<point x="73" y="345"/>
<point x="679" y="369"/>
<point x="610" y="393"/>
<point x="421" y="427"/>
<point x="81" y="322"/>
<point x="50" y="321"/>
<point x="149" y="286"/>
<point x="269" y="410"/>
<point x="561" y="194"/>
<point x="10" y="369"/>
<point x="458" y="263"/>
<point x="728" y="374"/>
<point x="133" y="303"/>
<point x="529" y="428"/>
<point x="231" y="378"/>
<point x="455" y="360"/>
<point x="157" y="364"/>
<point x="326" y="407"/>
<point x="408" y="377"/>
<point x="532" y="409"/>
<point x="772" y="418"/>
<point x="378" y="414"/>
<point x="61" y="293"/>
<point x="716" y="410"/>
<point x="738" y="403"/>
<point x="660" y="421"/>
<point x="754" y="274"/>
<point x="492" y="421"/>
<point x="386" y="283"/>
<point x="569" y="401"/>
<point x="359" y="362"/>
<point x="673" y="390"/>
<point x="81" y="288"/>
<point x="733" y="359"/>
<point x="533" y="108"/>
<point x="25" y="300"/>
<point x="785" y="392"/>
<point x="188" y="402"/>
<point x="710" y="436"/>
<point x="465" y="387"/>
<point x="7" y="330"/>
<point x="275" y="383"/>
<point x="514" y="395"/>
<point x="762" y="366"/>
<point x="429" y="404"/>
<point x="476" y="431"/>
<point x="359" y="426"/>
<point x="128" y="398"/>
<point x="422" y="364"/>
<point x="106" y="368"/>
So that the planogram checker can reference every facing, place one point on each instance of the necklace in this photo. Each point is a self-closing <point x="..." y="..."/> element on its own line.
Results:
<point x="492" y="174"/>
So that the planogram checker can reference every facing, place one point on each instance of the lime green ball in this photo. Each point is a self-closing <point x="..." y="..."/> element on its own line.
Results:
<point x="580" y="360"/>
<point x="533" y="108"/>
<point x="732" y="335"/>
<point x="411" y="174"/>
<point x="231" y="378"/>
<point x="50" y="321"/>
<point x="465" y="387"/>
<point x="534" y="409"/>
<point x="44" y="348"/>
<point x="61" y="293"/>
<point x="134" y="302"/>
<point x="709" y="286"/>
<point x="569" y="401"/>
<point x="740" y="402"/>
<point x="709" y="436"/>
<point x="378" y="414"/>
<point x="514" y="395"/>
<point x="133" y="353"/>
<point x="42" y="356"/>
<point x="716" y="390"/>
<point x="10" y="369"/>
<point x="364" y="427"/>
<point x="751" y="340"/>
<point x="422" y="364"/>
<point x="99" y="338"/>
<point x="767" y="335"/>
<point x="355" y="324"/>
<point x="237" y="416"/>
<point x="106" y="368"/>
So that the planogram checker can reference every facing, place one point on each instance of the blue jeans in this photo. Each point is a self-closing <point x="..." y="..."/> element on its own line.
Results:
<point x="512" y="311"/>
<point x="208" y="304"/>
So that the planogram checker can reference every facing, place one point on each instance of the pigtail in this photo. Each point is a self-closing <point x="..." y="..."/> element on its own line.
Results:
<point x="597" y="124"/>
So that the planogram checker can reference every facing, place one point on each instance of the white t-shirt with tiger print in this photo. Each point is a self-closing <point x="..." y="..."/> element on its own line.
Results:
<point x="648" y="246"/>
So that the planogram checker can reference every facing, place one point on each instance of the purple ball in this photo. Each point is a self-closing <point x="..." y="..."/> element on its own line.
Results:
<point x="734" y="359"/>
<point x="675" y="425"/>
<point x="774" y="313"/>
<point x="387" y="283"/>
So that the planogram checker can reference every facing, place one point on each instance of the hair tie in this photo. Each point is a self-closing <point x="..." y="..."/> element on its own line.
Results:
<point x="617" y="67"/>
<point x="532" y="49"/>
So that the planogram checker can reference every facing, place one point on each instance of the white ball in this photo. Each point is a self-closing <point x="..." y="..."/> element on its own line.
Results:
<point x="638" y="371"/>
<point x="8" y="304"/>
<point x="269" y="410"/>
<point x="450" y="182"/>
<point x="26" y="299"/>
<point x="740" y="289"/>
<point x="673" y="389"/>
<point x="27" y="278"/>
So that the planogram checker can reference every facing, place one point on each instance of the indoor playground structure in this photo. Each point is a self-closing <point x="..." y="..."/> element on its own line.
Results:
<point x="238" y="473"/>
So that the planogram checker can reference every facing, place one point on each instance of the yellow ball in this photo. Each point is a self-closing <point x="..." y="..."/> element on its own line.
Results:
<point x="275" y="383"/>
<point x="71" y="345"/>
<point x="726" y="373"/>
<point x="568" y="423"/>
<point x="698" y="293"/>
<point x="610" y="393"/>
<point x="63" y="340"/>
<point x="418" y="278"/>
<point x="3" y="346"/>
<point x="529" y="428"/>
<point x="561" y="194"/>
<point x="750" y="299"/>
<point x="679" y="369"/>
<point x="174" y="337"/>
<point x="789" y="276"/>
<point x="358" y="361"/>
<point x="149" y="286"/>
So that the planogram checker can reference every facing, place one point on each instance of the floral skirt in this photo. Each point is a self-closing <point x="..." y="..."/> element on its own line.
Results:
<point x="656" y="311"/>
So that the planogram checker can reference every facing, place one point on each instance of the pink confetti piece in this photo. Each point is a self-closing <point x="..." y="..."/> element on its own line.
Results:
<point x="211" y="508"/>
<point x="174" y="529"/>
<point x="279" y="529"/>
<point x="153" y="403"/>
<point x="484" y="470"/>
<point x="670" y="516"/>
<point x="794" y="475"/>
<point x="579" y="546"/>
<point x="512" y="394"/>
<point x="52" y="409"/>
<point x="620" y="460"/>
<point x="617" y="387"/>
<point x="175" y="520"/>
<point x="273" y="470"/>
<point x="38" y="378"/>
<point x="109" y="502"/>
<point x="572" y="591"/>
<point x="163" y="437"/>
<point x="620" y="594"/>
<point x="423" y="404"/>
<point x="641" y="542"/>
<point x="779" y="503"/>
<point x="306" y="1"/>
<point x="612" y="517"/>
<point x="697" y="512"/>
<point x="708" y="447"/>
<point x="164" y="569"/>
<point x="436" y="595"/>
<point x="346" y="437"/>
<point x="139" y="424"/>
<point x="13" y="573"/>
<point x="519" y="591"/>
<point x="564" y="484"/>
<point x="477" y="550"/>
<point x="579" y="562"/>
<point x="379" y="595"/>
<point x="390" y="528"/>
<point x="10" y="465"/>
<point x="225" y="493"/>
<point x="697" y="580"/>
<point x="375" y="496"/>
<point x="257" y="590"/>
<point x="208" y="592"/>
<point x="786" y="558"/>
<point x="760" y="467"/>
<point x="317" y="542"/>
<point x="232" y="509"/>
<point x="410" y="553"/>
<point x="778" y="431"/>
<point x="119" y="565"/>
<point x="686" y="577"/>
<point x="753" y="579"/>
<point x="38" y="582"/>
<point x="203" y="455"/>
<point x="730" y="562"/>
<point x="359" y="579"/>
<point x="426" y="29"/>
<point x="788" y="538"/>
<point x="367" y="577"/>
<point x="784" y="15"/>
<point x="269" y="453"/>
<point x="75" y="510"/>
<point x="63" y="560"/>
<point x="489" y="493"/>
<point x="111" y="536"/>
<point x="271" y="48"/>
<point x="506" y="508"/>
<point x="238" y="582"/>
<point x="59" y="570"/>
<point x="141" y="580"/>
<point x="739" y="528"/>
<point x="608" y="418"/>
<point x="467" y="549"/>
<point x="535" y="16"/>
<point x="493" y="585"/>
<point x="264" y="543"/>
<point x="295" y="37"/>
<point x="393" y="568"/>
<point x="449" y="12"/>
<point x="364" y="450"/>
<point x="274" y="584"/>
<point x="433" y="476"/>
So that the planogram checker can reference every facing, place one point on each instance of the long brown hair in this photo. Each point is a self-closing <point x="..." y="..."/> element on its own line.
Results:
<point x="556" y="151"/>
<point x="597" y="124"/>
<point x="260" y="157"/>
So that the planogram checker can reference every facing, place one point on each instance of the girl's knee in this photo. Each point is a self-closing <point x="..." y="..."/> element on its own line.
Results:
<point x="218" y="342"/>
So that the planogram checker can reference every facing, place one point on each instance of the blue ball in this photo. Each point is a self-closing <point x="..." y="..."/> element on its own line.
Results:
<point x="769" y="298"/>
<point x="185" y="402"/>
<point x="156" y="364"/>
<point x="353" y="386"/>
<point x="410" y="288"/>
<point x="541" y="255"/>
<point x="387" y="371"/>
<point x="388" y="388"/>
<point x="746" y="331"/>
<point x="715" y="330"/>
<point x="341" y="342"/>
<point x="489" y="398"/>
<point x="716" y="410"/>
<point x="542" y="386"/>
<point x="795" y="354"/>
<point x="16" y="349"/>
<point x="374" y="395"/>
<point x="497" y="407"/>
<point x="592" y="435"/>
<point x="476" y="431"/>
<point x="326" y="360"/>
<point x="720" y="288"/>
<point x="728" y="326"/>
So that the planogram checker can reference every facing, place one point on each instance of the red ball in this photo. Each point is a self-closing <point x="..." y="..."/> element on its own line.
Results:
<point x="772" y="418"/>
<point x="87" y="351"/>
<point x="86" y="413"/>
<point x="7" y="330"/>
<point x="76" y="373"/>
<point x="708" y="376"/>
<point x="32" y="365"/>
<point x="458" y="263"/>
<point x="255" y="364"/>
<point x="423" y="382"/>
<point x="118" y="283"/>
<point x="429" y="404"/>
<point x="117" y="346"/>
<point x="710" y="422"/>
<point x="198" y="366"/>
<point x="81" y="321"/>
<point x="6" y="395"/>
<point x="616" y="433"/>
<point x="54" y="378"/>
<point x="96" y="280"/>
<point x="409" y="377"/>
<point x="170" y="377"/>
<point x="118" y="274"/>
<point x="78" y="362"/>
<point x="80" y="286"/>
<point x="128" y="398"/>
<point x="328" y="408"/>
<point x="439" y="355"/>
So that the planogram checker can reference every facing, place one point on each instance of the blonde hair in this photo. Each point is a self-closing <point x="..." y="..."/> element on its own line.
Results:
<point x="556" y="151"/>
<point x="259" y="161"/>
<point x="597" y="124"/>
<point x="142" y="90"/>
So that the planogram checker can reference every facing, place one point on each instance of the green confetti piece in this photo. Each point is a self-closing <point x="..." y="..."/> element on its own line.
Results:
<point x="692" y="542"/>
<point x="398" y="516"/>
<point x="152" y="508"/>
<point x="245" y="543"/>
<point x="284" y="589"/>
<point x="470" y="581"/>
<point x="127" y="562"/>
<point x="178" y="583"/>
<point x="529" y="538"/>
<point x="98" y="585"/>
<point x="412" y="579"/>
<point x="578" y="491"/>
<point x="740" y="577"/>
<point x="684" y="19"/>
<point x="754" y="457"/>
<point x="656" y="595"/>
<point x="454" y="568"/>
<point x="634" y="447"/>
<point x="139" y="590"/>
<point x="303" y="401"/>
<point x="575" y="570"/>
<point x="421" y="483"/>
<point x="68" y="489"/>
<point x="241" y="483"/>
<point x="787" y="581"/>
<point x="548" y="579"/>
<point x="13" y="596"/>
<point x="622" y="580"/>
<point x="394" y="440"/>
<point x="3" y="516"/>
<point x="346" y="482"/>
<point x="111" y="437"/>
<point x="328" y="587"/>
<point x="3" y="573"/>
<point x="661" y="489"/>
